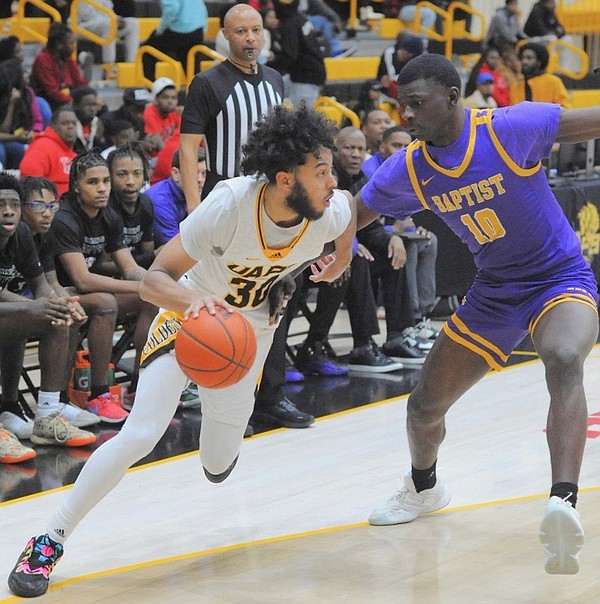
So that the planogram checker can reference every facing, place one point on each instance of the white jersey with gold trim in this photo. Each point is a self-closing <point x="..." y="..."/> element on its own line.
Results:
<point x="241" y="252"/>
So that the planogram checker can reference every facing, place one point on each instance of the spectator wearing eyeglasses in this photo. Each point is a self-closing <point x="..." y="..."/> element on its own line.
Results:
<point x="44" y="313"/>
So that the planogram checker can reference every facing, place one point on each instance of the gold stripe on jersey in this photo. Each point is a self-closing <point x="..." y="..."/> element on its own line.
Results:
<point x="162" y="335"/>
<point x="504" y="155"/>
<point x="489" y="359"/>
<point x="273" y="254"/>
<point x="458" y="171"/>
<point x="581" y="298"/>
<point x="486" y="343"/>
<point x="410" y="166"/>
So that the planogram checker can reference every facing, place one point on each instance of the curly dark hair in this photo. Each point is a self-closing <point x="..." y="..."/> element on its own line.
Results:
<point x="36" y="184"/>
<point x="281" y="142"/>
<point x="10" y="182"/>
<point x="131" y="149"/>
<point x="540" y="51"/>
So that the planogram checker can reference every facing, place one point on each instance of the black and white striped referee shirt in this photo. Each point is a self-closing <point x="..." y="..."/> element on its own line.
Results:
<point x="224" y="103"/>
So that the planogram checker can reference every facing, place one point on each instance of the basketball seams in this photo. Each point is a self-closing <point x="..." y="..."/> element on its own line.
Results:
<point x="216" y="357"/>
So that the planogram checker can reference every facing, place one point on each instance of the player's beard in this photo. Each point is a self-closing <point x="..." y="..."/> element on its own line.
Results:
<point x="299" y="202"/>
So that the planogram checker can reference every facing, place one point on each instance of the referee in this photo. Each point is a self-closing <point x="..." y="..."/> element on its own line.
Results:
<point x="225" y="102"/>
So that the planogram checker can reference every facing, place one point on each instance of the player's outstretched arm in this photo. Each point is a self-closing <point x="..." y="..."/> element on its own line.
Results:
<point x="364" y="215"/>
<point x="330" y="268"/>
<point x="578" y="125"/>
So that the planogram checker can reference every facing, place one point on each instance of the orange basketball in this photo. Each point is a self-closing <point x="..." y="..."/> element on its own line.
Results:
<point x="216" y="351"/>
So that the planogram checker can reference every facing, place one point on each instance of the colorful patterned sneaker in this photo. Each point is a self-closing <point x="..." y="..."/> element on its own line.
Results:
<point x="80" y="418"/>
<point x="56" y="430"/>
<point x="107" y="408"/>
<point x="189" y="397"/>
<point x="19" y="424"/>
<point x="407" y="505"/>
<point x="11" y="450"/>
<point x="31" y="575"/>
<point x="561" y="535"/>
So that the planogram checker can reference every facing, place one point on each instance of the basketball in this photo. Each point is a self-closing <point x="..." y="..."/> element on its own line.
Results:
<point x="216" y="351"/>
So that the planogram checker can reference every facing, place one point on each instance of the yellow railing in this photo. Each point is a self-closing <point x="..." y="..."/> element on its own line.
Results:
<point x="466" y="35"/>
<point x="177" y="74"/>
<point x="191" y="59"/>
<point x="335" y="111"/>
<point x="430" y="33"/>
<point x="86" y="33"/>
<point x="26" y="33"/>
<point x="389" y="28"/>
<point x="556" y="48"/>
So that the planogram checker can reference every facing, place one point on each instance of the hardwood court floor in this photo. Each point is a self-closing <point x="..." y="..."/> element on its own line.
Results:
<point x="290" y="523"/>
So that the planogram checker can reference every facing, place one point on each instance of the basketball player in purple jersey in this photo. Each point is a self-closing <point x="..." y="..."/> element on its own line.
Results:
<point x="480" y="171"/>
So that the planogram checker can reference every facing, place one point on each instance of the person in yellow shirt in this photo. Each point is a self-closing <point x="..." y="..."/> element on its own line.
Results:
<point x="538" y="85"/>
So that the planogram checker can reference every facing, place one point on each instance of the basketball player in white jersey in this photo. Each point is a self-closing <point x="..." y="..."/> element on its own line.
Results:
<point x="249" y="233"/>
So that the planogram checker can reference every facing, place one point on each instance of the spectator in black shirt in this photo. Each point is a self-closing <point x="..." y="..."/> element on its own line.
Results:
<point x="84" y="229"/>
<point x="40" y="203"/>
<point x="46" y="316"/>
<point x="543" y="22"/>
<point x="128" y="167"/>
<point x="90" y="129"/>
<point x="301" y="56"/>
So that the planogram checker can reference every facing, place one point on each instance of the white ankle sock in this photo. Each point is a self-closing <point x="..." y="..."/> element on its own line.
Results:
<point x="48" y="402"/>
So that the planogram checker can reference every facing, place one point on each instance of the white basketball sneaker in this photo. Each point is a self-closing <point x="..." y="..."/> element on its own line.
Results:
<point x="406" y="504"/>
<point x="561" y="535"/>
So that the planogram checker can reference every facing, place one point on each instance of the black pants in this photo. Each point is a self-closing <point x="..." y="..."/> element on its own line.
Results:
<point x="175" y="45"/>
<point x="273" y="377"/>
<point x="362" y="310"/>
<point x="392" y="285"/>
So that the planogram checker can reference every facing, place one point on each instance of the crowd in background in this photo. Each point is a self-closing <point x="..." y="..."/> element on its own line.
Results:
<point x="55" y="128"/>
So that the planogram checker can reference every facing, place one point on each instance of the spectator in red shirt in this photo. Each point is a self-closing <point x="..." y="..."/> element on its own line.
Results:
<point x="489" y="63"/>
<point x="162" y="168"/>
<point x="51" y="152"/>
<point x="55" y="73"/>
<point x="161" y="116"/>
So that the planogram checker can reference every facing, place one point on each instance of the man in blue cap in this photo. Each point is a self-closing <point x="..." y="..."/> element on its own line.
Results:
<point x="482" y="97"/>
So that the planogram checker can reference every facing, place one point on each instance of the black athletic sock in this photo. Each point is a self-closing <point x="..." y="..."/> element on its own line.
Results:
<point x="424" y="479"/>
<point x="565" y="490"/>
<point x="64" y="397"/>
<point x="97" y="391"/>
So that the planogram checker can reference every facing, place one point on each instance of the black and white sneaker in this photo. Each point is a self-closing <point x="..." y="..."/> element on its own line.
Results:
<point x="370" y="358"/>
<point x="406" y="350"/>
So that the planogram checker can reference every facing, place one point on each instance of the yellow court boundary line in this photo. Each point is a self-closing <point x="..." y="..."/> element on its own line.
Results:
<point x="277" y="539"/>
<point x="270" y="432"/>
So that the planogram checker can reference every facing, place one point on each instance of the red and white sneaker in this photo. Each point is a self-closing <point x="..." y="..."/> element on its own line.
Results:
<point x="106" y="406"/>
